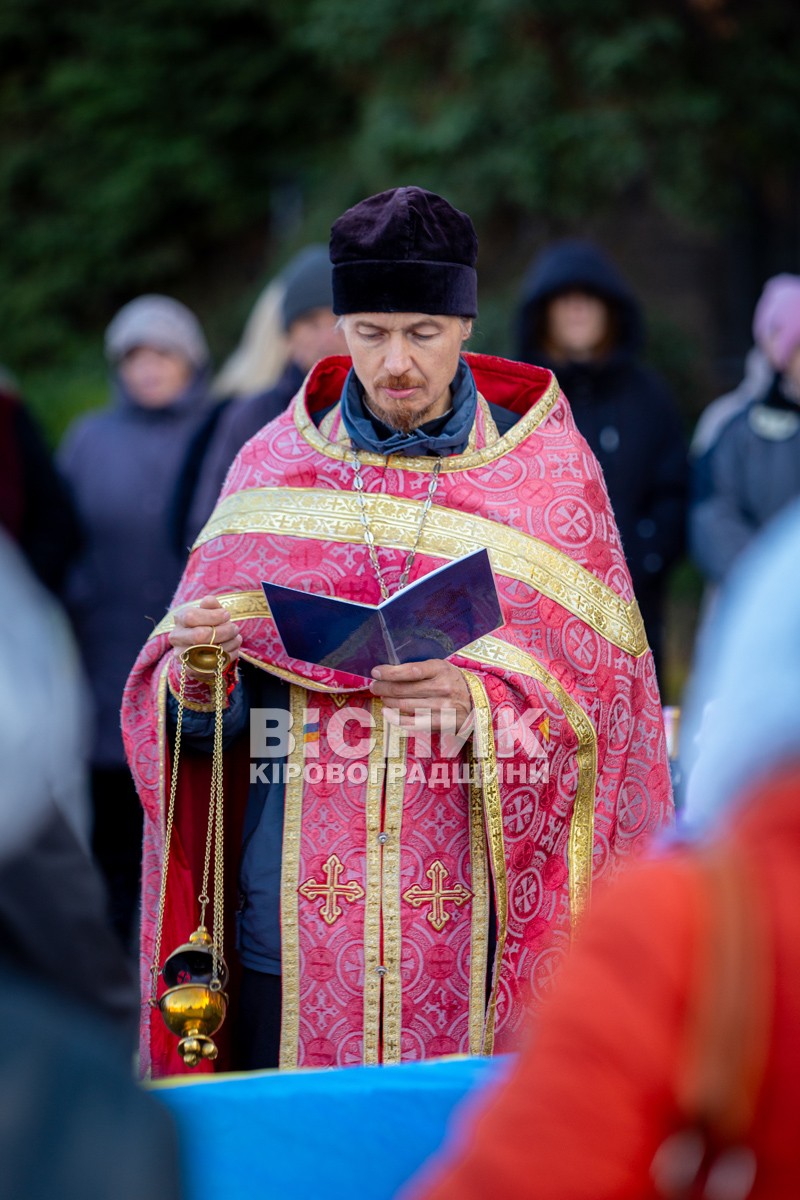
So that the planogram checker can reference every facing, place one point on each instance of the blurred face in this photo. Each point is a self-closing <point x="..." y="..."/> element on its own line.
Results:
<point x="577" y="325"/>
<point x="406" y="363"/>
<point x="314" y="336"/>
<point x="154" y="378"/>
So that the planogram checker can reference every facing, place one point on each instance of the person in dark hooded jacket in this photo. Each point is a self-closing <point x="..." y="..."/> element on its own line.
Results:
<point x="122" y="464"/>
<point x="578" y="317"/>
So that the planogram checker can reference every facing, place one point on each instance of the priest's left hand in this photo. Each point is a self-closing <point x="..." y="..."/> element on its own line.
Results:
<point x="435" y="685"/>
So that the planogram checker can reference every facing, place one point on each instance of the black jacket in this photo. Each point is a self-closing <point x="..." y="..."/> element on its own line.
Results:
<point x="625" y="412"/>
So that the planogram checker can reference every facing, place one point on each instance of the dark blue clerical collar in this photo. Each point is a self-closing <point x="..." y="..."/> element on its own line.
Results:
<point x="440" y="437"/>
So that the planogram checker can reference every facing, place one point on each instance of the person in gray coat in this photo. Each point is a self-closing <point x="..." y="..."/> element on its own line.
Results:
<point x="751" y="469"/>
<point x="122" y="464"/>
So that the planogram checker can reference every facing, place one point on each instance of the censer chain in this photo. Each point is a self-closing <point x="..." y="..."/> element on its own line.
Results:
<point x="219" y="871"/>
<point x="173" y="791"/>
<point x="214" y="835"/>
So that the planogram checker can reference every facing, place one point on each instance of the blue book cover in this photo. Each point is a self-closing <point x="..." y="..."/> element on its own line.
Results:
<point x="433" y="617"/>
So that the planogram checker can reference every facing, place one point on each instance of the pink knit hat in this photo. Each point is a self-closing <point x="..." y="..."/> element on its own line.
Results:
<point x="776" y="321"/>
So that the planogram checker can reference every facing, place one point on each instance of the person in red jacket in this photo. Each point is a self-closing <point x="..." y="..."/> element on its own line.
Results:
<point x="665" y="1063"/>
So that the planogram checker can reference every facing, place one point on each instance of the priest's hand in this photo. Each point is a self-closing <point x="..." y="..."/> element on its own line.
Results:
<point x="195" y="626"/>
<point x="435" y="685"/>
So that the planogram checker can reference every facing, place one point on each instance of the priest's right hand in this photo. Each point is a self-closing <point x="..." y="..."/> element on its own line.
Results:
<point x="194" y="626"/>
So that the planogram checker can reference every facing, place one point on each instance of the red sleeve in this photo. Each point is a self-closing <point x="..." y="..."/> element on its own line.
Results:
<point x="591" y="1098"/>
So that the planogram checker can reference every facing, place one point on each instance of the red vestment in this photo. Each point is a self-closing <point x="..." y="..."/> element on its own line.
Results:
<point x="388" y="865"/>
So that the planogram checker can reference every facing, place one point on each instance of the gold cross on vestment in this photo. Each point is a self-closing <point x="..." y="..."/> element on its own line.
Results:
<point x="436" y="895"/>
<point x="332" y="889"/>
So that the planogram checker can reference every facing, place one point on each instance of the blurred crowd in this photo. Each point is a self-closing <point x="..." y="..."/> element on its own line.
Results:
<point x="105" y="527"/>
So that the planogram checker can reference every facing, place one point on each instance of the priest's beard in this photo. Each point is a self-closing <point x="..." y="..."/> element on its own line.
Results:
<point x="403" y="420"/>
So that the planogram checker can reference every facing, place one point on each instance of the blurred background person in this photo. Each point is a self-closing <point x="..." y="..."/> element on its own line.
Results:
<point x="257" y="362"/>
<point x="751" y="469"/>
<point x="51" y="895"/>
<point x="122" y="464"/>
<point x="74" y="1124"/>
<point x="716" y="415"/>
<point x="254" y="367"/>
<point x="577" y="316"/>
<point x="665" y="1063"/>
<point x="36" y="508"/>
<point x="310" y="332"/>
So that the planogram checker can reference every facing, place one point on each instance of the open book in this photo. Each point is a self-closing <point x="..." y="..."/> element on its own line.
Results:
<point x="431" y="618"/>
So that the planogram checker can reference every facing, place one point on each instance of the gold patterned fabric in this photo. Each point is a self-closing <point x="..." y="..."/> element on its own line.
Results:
<point x="398" y="857"/>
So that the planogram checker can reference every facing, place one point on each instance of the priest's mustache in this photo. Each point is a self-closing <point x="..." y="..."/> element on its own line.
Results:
<point x="399" y="383"/>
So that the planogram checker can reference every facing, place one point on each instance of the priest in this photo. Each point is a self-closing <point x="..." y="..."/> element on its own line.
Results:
<point x="409" y="853"/>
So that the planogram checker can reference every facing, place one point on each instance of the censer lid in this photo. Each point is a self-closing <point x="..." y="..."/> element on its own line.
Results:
<point x="194" y="962"/>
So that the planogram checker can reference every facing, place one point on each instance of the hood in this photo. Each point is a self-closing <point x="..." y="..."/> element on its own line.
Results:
<point x="568" y="265"/>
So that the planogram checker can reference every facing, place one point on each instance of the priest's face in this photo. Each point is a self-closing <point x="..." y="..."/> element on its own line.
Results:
<point x="406" y="363"/>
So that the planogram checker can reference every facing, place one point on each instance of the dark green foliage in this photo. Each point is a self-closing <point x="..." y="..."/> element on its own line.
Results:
<point x="135" y="140"/>
<point x="152" y="146"/>
<point x="559" y="105"/>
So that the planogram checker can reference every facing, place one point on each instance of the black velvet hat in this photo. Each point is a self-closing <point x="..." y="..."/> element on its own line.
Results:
<point x="406" y="250"/>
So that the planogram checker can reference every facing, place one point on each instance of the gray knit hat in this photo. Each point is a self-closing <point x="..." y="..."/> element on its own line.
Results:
<point x="307" y="280"/>
<point x="157" y="321"/>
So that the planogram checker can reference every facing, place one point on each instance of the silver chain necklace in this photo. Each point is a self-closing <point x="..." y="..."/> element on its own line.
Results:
<point x="368" y="536"/>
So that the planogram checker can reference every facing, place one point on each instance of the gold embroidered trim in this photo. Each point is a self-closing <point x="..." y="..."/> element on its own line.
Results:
<point x="472" y="440"/>
<point x="335" y="516"/>
<point x="242" y="606"/>
<point x="581" y="827"/>
<point x="372" y="906"/>
<point x="252" y="606"/>
<point x="327" y="422"/>
<point x="479" y="938"/>
<point x="392" y="938"/>
<point x="491" y="433"/>
<point x="455" y="462"/>
<point x="495" y="652"/>
<point x="290" y="881"/>
<point x="483" y="743"/>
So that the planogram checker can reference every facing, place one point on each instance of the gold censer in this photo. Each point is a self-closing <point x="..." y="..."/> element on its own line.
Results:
<point x="195" y="1002"/>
